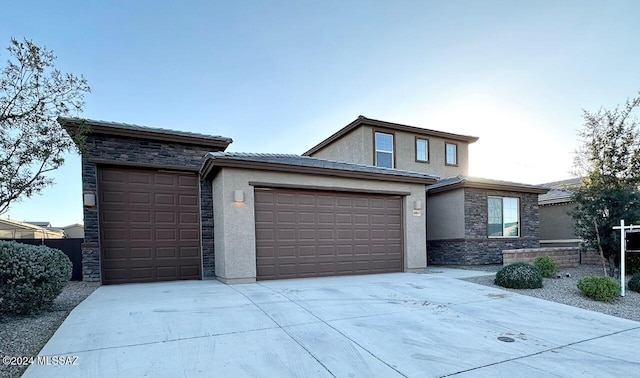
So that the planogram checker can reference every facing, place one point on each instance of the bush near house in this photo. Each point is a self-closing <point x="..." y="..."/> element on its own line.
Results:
<point x="519" y="276"/>
<point x="599" y="288"/>
<point x="634" y="282"/>
<point x="547" y="265"/>
<point x="31" y="277"/>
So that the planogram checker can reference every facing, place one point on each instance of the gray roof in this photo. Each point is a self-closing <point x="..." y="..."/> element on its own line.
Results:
<point x="310" y="162"/>
<point x="139" y="128"/>
<point x="39" y="224"/>
<point x="560" y="192"/>
<point x="478" y="182"/>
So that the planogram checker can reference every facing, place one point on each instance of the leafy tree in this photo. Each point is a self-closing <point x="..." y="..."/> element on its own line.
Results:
<point x="609" y="164"/>
<point x="33" y="94"/>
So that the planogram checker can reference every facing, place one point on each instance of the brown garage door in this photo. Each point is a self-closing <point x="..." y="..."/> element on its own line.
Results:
<point x="304" y="233"/>
<point x="149" y="225"/>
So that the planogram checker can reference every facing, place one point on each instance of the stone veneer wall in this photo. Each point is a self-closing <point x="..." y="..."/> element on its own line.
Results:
<point x="477" y="248"/>
<point x="144" y="153"/>
<point x="565" y="257"/>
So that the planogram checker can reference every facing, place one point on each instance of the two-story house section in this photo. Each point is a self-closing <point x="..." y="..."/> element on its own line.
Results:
<point x="392" y="145"/>
<point x="469" y="220"/>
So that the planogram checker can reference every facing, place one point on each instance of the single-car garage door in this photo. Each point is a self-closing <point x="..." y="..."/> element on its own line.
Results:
<point x="308" y="233"/>
<point x="149" y="225"/>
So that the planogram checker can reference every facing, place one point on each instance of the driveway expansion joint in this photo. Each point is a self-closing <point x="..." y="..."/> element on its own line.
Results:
<point x="566" y="346"/>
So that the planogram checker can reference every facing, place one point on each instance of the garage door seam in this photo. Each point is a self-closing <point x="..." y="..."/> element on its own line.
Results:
<point x="284" y="330"/>
<point x="335" y="329"/>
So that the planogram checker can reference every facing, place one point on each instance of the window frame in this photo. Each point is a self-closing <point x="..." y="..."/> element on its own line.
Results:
<point x="446" y="143"/>
<point x="502" y="198"/>
<point x="393" y="148"/>
<point x="427" y="142"/>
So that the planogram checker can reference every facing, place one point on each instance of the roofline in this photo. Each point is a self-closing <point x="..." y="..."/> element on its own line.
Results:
<point x="490" y="186"/>
<point x="156" y="134"/>
<point x="211" y="167"/>
<point x="362" y="120"/>
<point x="556" y="201"/>
<point x="23" y="224"/>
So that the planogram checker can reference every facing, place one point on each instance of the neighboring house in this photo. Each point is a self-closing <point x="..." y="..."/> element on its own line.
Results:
<point x="556" y="222"/>
<point x="40" y="224"/>
<point x="165" y="205"/>
<point x="73" y="231"/>
<point x="10" y="229"/>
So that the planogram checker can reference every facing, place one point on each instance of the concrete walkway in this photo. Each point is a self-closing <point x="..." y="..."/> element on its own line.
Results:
<point x="390" y="325"/>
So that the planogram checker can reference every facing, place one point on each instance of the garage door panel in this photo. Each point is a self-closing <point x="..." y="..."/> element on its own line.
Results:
<point x="188" y="218"/>
<point x="326" y="233"/>
<point x="188" y="200"/>
<point x="146" y="234"/>
<point x="141" y="253"/>
<point x="110" y="197"/>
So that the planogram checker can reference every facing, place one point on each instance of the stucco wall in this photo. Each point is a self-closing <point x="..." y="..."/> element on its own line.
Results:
<point x="350" y="148"/>
<point x="235" y="248"/>
<point x="136" y="151"/>
<point x="445" y="215"/>
<point x="358" y="147"/>
<point x="556" y="223"/>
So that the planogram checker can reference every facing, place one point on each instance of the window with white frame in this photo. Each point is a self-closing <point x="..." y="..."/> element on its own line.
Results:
<point x="422" y="150"/>
<point x="451" y="153"/>
<point x="504" y="217"/>
<point x="384" y="150"/>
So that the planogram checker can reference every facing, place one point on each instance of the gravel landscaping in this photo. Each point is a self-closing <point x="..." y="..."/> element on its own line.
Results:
<point x="25" y="335"/>
<point x="565" y="290"/>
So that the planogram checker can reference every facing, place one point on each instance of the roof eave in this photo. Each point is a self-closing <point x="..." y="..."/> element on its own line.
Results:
<point x="488" y="186"/>
<point x="361" y="121"/>
<point x="211" y="166"/>
<point x="71" y="125"/>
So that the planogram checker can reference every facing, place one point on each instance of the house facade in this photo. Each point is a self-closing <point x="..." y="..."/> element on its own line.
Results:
<point x="11" y="229"/>
<point x="168" y="205"/>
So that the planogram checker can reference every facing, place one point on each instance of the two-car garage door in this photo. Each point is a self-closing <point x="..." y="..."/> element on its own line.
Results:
<point x="308" y="233"/>
<point x="149" y="225"/>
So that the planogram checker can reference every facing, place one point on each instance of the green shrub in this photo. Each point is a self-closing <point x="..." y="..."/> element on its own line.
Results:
<point x="600" y="288"/>
<point x="547" y="265"/>
<point x="634" y="282"/>
<point x="31" y="277"/>
<point x="519" y="276"/>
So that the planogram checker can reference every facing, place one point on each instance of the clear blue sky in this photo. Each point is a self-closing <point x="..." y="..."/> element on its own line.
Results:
<point x="280" y="76"/>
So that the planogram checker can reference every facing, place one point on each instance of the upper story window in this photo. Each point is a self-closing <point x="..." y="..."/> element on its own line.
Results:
<point x="504" y="217"/>
<point x="384" y="150"/>
<point x="422" y="150"/>
<point x="451" y="153"/>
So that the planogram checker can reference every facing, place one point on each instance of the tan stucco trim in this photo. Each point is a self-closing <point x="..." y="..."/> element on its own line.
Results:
<point x="276" y="185"/>
<point x="488" y="186"/>
<point x="211" y="166"/>
<point x="361" y="121"/>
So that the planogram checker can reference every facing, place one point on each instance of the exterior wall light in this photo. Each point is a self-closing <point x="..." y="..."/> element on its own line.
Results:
<point x="238" y="196"/>
<point x="89" y="199"/>
<point x="417" y="205"/>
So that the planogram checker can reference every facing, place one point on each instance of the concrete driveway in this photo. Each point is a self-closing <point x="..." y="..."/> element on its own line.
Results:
<point x="389" y="325"/>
